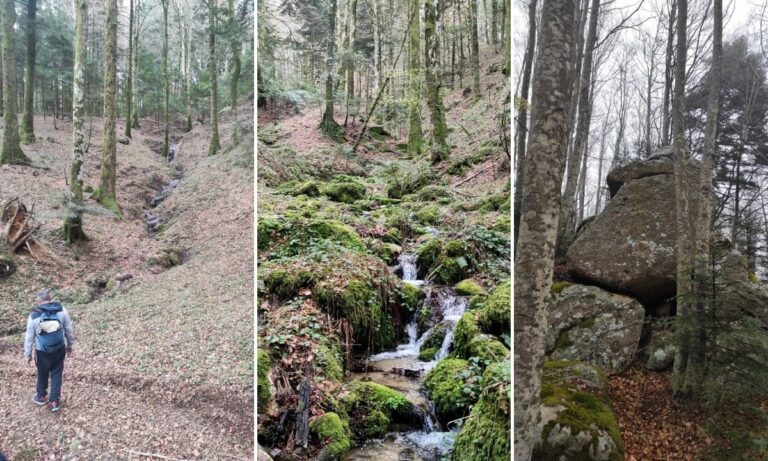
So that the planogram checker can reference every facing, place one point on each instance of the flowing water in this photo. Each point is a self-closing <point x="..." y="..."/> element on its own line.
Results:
<point x="402" y="370"/>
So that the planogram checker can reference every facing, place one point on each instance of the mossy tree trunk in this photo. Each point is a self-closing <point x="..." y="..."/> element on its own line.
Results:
<point x="107" y="191"/>
<point x="415" y="135"/>
<point x="166" y="83"/>
<point x="214" y="146"/>
<point x="433" y="79"/>
<point x="328" y="125"/>
<point x="538" y="228"/>
<point x="135" y="72"/>
<point x="129" y="80"/>
<point x="188" y="76"/>
<point x="27" y="120"/>
<point x="350" y="60"/>
<point x="234" y="47"/>
<point x="475" y="42"/>
<point x="11" y="153"/>
<point x="507" y="37"/>
<point x="73" y="223"/>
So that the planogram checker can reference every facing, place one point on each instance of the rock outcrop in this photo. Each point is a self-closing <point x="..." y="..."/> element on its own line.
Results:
<point x="592" y="325"/>
<point x="630" y="247"/>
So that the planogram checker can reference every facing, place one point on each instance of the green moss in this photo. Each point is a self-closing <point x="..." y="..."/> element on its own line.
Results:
<point x="488" y="348"/>
<point x="266" y="228"/>
<point x="343" y="191"/>
<point x="411" y="296"/>
<point x="427" y="253"/>
<point x="455" y="248"/>
<point x="393" y="235"/>
<point x="285" y="284"/>
<point x="445" y="384"/>
<point x="466" y="329"/>
<point x="495" y="316"/>
<point x="434" y="193"/>
<point x="334" y="435"/>
<point x="485" y="434"/>
<point x="263" y="394"/>
<point x="563" y="340"/>
<point x="376" y="423"/>
<point x="367" y="402"/>
<point x="428" y="215"/>
<point x="753" y="277"/>
<point x="449" y="270"/>
<point x="308" y="188"/>
<point x="335" y="231"/>
<point x="469" y="287"/>
<point x="384" y="251"/>
<point x="427" y="354"/>
<point x="502" y="225"/>
<point x="329" y="361"/>
<point x="558" y="287"/>
<point x="586" y="323"/>
<point x="109" y="203"/>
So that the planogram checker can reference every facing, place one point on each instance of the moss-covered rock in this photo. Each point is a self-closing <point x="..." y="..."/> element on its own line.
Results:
<point x="495" y="315"/>
<point x="488" y="348"/>
<point x="577" y="420"/>
<point x="308" y="188"/>
<point x="333" y="434"/>
<point x="434" y="193"/>
<point x="411" y="296"/>
<point x="428" y="215"/>
<point x="661" y="350"/>
<point x="263" y="393"/>
<point x="434" y="341"/>
<point x="387" y="252"/>
<point x="367" y="402"/>
<point x="445" y="385"/>
<point x="485" y="434"/>
<point x="266" y="228"/>
<point x="466" y="329"/>
<point x="343" y="191"/>
<point x="427" y="253"/>
<point x="558" y="287"/>
<point x="449" y="270"/>
<point x="285" y="284"/>
<point x="469" y="287"/>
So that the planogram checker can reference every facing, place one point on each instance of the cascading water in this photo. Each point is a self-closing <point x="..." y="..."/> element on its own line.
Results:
<point x="432" y="442"/>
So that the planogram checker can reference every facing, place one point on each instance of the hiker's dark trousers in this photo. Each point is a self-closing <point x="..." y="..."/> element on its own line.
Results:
<point x="50" y="365"/>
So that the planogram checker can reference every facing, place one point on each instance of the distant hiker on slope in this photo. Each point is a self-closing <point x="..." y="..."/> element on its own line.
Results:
<point x="50" y="327"/>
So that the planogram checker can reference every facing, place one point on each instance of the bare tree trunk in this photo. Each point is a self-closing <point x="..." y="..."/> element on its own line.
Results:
<point x="166" y="82"/>
<point x="73" y="222"/>
<point x="583" y="182"/>
<point x="415" y="135"/>
<point x="568" y="209"/>
<point x="27" y="132"/>
<point x="328" y="125"/>
<point x="433" y="80"/>
<point x="522" y="115"/>
<point x="129" y="81"/>
<point x="601" y="159"/>
<point x="682" y="198"/>
<point x="135" y="73"/>
<point x="214" y="146"/>
<point x="350" y="61"/>
<point x="475" y="49"/>
<point x="538" y="228"/>
<point x="668" y="76"/>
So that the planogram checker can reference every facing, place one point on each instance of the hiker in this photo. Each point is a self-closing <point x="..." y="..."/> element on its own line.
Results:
<point x="50" y="327"/>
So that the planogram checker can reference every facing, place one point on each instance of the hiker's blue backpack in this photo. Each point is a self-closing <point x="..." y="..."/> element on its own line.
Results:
<point x="51" y="336"/>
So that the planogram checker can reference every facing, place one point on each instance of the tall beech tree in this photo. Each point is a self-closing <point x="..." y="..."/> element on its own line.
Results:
<point x="27" y="131"/>
<point x="213" y="67"/>
<point x="433" y="79"/>
<point x="129" y="79"/>
<point x="106" y="194"/>
<point x="541" y="201"/>
<point x="11" y="152"/>
<point x="415" y="134"/>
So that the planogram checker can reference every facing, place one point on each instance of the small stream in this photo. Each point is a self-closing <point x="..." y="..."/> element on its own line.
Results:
<point x="150" y="217"/>
<point x="403" y="371"/>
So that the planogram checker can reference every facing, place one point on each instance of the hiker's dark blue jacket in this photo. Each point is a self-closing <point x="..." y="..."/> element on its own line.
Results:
<point x="33" y="326"/>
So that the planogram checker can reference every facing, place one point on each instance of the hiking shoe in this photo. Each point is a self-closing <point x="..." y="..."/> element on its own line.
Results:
<point x="39" y="399"/>
<point x="55" y="405"/>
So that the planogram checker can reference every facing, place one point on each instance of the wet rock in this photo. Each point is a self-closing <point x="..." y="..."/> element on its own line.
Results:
<point x="577" y="422"/>
<point x="589" y="324"/>
<point x="375" y="409"/>
<point x="261" y="454"/>
<point x="445" y="386"/>
<point x="661" y="351"/>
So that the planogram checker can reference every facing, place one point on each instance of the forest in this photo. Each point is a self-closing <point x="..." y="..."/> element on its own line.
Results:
<point x="384" y="230"/>
<point x="640" y="230"/>
<point x="127" y="159"/>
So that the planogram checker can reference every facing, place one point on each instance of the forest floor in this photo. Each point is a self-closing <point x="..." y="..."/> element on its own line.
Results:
<point x="163" y="362"/>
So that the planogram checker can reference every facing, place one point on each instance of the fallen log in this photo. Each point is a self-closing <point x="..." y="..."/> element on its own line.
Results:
<point x="17" y="226"/>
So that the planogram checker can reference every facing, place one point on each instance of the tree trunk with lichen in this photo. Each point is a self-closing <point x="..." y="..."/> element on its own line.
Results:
<point x="106" y="194"/>
<point x="129" y="80"/>
<point x="135" y="74"/>
<point x="475" y="42"/>
<point x="166" y="82"/>
<point x="432" y="79"/>
<point x="73" y="222"/>
<point x="415" y="135"/>
<point x="11" y="153"/>
<point x="214" y="146"/>
<point x="27" y="132"/>
<point x="538" y="227"/>
<point x="328" y="125"/>
<point x="234" y="46"/>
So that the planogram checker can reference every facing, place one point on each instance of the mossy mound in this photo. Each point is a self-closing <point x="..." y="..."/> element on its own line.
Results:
<point x="438" y="194"/>
<point x="333" y="434"/>
<point x="485" y="434"/>
<point x="263" y="393"/>
<point x="495" y="315"/>
<point x="292" y="237"/>
<point x="578" y="423"/>
<point x="411" y="296"/>
<point x="348" y="285"/>
<point x="558" y="287"/>
<point x="427" y="253"/>
<point x="343" y="191"/>
<point x="466" y="329"/>
<point x="428" y="354"/>
<point x="447" y="263"/>
<point x="428" y="215"/>
<point x="308" y="188"/>
<point x="446" y="387"/>
<point x="488" y="348"/>
<point x="329" y="360"/>
<point x="469" y="287"/>
<point x="387" y="252"/>
<point x="409" y="183"/>
<point x="375" y="408"/>
<point x="266" y="228"/>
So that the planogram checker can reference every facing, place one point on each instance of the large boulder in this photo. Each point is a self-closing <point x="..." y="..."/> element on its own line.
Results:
<point x="577" y="422"/>
<point x="630" y="247"/>
<point x="589" y="324"/>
